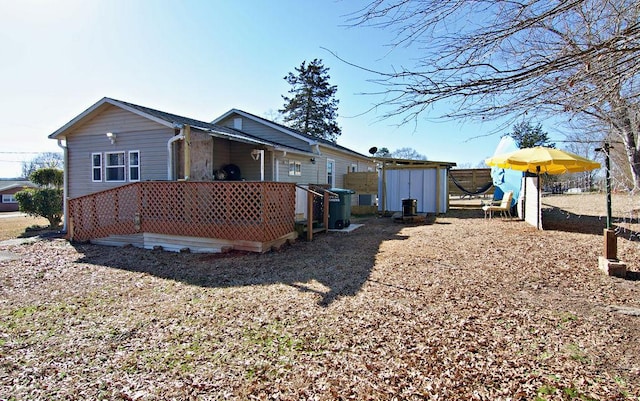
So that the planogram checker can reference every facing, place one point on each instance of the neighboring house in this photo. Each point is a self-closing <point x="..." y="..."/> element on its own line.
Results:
<point x="8" y="189"/>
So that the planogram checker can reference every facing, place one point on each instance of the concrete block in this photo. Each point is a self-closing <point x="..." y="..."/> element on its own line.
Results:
<point x="612" y="267"/>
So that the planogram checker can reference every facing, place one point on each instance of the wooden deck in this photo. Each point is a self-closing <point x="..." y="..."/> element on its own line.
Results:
<point x="178" y="243"/>
<point x="199" y="216"/>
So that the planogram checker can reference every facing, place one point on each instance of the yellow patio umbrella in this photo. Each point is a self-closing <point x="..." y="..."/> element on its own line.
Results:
<point x="541" y="159"/>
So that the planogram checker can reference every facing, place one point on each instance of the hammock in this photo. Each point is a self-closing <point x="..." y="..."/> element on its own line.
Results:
<point x="480" y="191"/>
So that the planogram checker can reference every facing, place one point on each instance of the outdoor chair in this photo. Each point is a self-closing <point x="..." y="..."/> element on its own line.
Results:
<point x="504" y="207"/>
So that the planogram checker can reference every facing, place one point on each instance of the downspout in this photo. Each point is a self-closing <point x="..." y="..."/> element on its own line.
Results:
<point x="65" y="184"/>
<point x="169" y="150"/>
<point x="187" y="152"/>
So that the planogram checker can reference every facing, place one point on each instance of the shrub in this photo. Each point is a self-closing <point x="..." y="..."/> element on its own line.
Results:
<point x="45" y="201"/>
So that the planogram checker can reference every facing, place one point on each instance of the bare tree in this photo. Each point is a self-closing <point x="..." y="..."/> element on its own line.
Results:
<point x="492" y="59"/>
<point x="42" y="160"/>
<point x="408" y="153"/>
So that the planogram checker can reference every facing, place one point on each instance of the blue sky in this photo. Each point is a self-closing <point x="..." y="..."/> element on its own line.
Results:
<point x="200" y="59"/>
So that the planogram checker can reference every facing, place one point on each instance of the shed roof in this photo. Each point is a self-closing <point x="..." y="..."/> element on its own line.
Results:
<point x="390" y="162"/>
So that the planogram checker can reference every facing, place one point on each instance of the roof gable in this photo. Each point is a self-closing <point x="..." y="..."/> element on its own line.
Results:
<point x="311" y="140"/>
<point x="167" y="119"/>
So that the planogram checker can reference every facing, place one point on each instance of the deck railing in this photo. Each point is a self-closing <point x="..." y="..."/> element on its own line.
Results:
<point x="242" y="210"/>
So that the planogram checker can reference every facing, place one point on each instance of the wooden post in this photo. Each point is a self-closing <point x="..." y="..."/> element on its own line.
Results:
<point x="325" y="214"/>
<point x="384" y="188"/>
<point x="309" y="216"/>
<point x="610" y="244"/>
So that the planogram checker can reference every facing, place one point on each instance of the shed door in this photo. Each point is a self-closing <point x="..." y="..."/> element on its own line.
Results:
<point x="419" y="184"/>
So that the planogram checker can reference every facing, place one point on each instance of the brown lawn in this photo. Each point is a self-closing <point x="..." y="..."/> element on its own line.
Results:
<point x="13" y="225"/>
<point x="465" y="308"/>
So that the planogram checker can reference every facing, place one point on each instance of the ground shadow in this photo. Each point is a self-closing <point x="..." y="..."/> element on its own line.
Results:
<point x="556" y="219"/>
<point x="340" y="262"/>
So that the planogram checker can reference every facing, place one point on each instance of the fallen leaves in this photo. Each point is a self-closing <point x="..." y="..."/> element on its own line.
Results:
<point x="473" y="309"/>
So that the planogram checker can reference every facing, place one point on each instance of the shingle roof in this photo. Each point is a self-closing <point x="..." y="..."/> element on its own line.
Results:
<point x="169" y="119"/>
<point x="10" y="184"/>
<point x="300" y="133"/>
<point x="193" y="123"/>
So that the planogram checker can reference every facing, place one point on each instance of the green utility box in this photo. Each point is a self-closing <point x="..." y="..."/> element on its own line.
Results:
<point x="340" y="208"/>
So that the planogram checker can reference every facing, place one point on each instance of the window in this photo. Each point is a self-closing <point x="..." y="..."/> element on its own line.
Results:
<point x="114" y="166"/>
<point x="134" y="165"/>
<point x="96" y="167"/>
<point x="295" y="168"/>
<point x="354" y="168"/>
<point x="9" y="198"/>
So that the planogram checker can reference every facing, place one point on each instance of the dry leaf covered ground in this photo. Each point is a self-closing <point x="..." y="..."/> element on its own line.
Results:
<point x="465" y="308"/>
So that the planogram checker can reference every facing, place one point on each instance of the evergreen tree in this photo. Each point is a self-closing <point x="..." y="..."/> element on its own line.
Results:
<point x="529" y="136"/>
<point x="312" y="107"/>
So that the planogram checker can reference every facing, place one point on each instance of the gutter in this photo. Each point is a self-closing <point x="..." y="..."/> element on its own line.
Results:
<point x="65" y="184"/>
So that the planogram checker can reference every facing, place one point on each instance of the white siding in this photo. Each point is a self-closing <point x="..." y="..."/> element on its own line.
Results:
<point x="419" y="184"/>
<point x="532" y="214"/>
<point x="132" y="133"/>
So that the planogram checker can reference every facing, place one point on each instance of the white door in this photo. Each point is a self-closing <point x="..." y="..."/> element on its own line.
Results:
<point x="331" y="172"/>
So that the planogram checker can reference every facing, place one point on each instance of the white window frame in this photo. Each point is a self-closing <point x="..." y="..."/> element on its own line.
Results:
<point x="331" y="179"/>
<point x="9" y="198"/>
<point x="354" y="168"/>
<point x="133" y="166"/>
<point x="295" y="168"/>
<point x="107" y="167"/>
<point x="95" y="168"/>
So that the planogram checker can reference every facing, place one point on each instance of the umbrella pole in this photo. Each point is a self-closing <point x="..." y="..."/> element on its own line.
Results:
<point x="539" y="223"/>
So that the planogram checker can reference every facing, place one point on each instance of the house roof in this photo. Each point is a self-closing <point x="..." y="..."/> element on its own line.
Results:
<point x="6" y="185"/>
<point x="311" y="140"/>
<point x="169" y="120"/>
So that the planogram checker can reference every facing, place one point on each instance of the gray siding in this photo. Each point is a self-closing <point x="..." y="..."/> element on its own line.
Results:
<point x="240" y="154"/>
<point x="308" y="171"/>
<point x="132" y="133"/>
<point x="342" y="165"/>
<point x="267" y="133"/>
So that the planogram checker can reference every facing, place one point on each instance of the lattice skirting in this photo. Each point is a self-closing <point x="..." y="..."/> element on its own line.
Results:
<point x="237" y="211"/>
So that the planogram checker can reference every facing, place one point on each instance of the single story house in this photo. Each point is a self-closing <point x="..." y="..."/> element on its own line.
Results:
<point x="8" y="189"/>
<point x="130" y="169"/>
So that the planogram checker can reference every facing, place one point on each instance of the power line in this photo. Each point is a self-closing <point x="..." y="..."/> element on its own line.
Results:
<point x="24" y="153"/>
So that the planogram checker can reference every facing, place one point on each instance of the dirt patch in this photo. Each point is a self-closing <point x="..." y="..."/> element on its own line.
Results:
<point x="466" y="308"/>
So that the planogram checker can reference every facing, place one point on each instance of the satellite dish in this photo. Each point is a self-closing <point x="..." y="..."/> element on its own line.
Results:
<point x="373" y="150"/>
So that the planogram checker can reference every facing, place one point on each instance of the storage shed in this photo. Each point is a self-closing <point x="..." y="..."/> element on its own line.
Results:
<point x="423" y="180"/>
